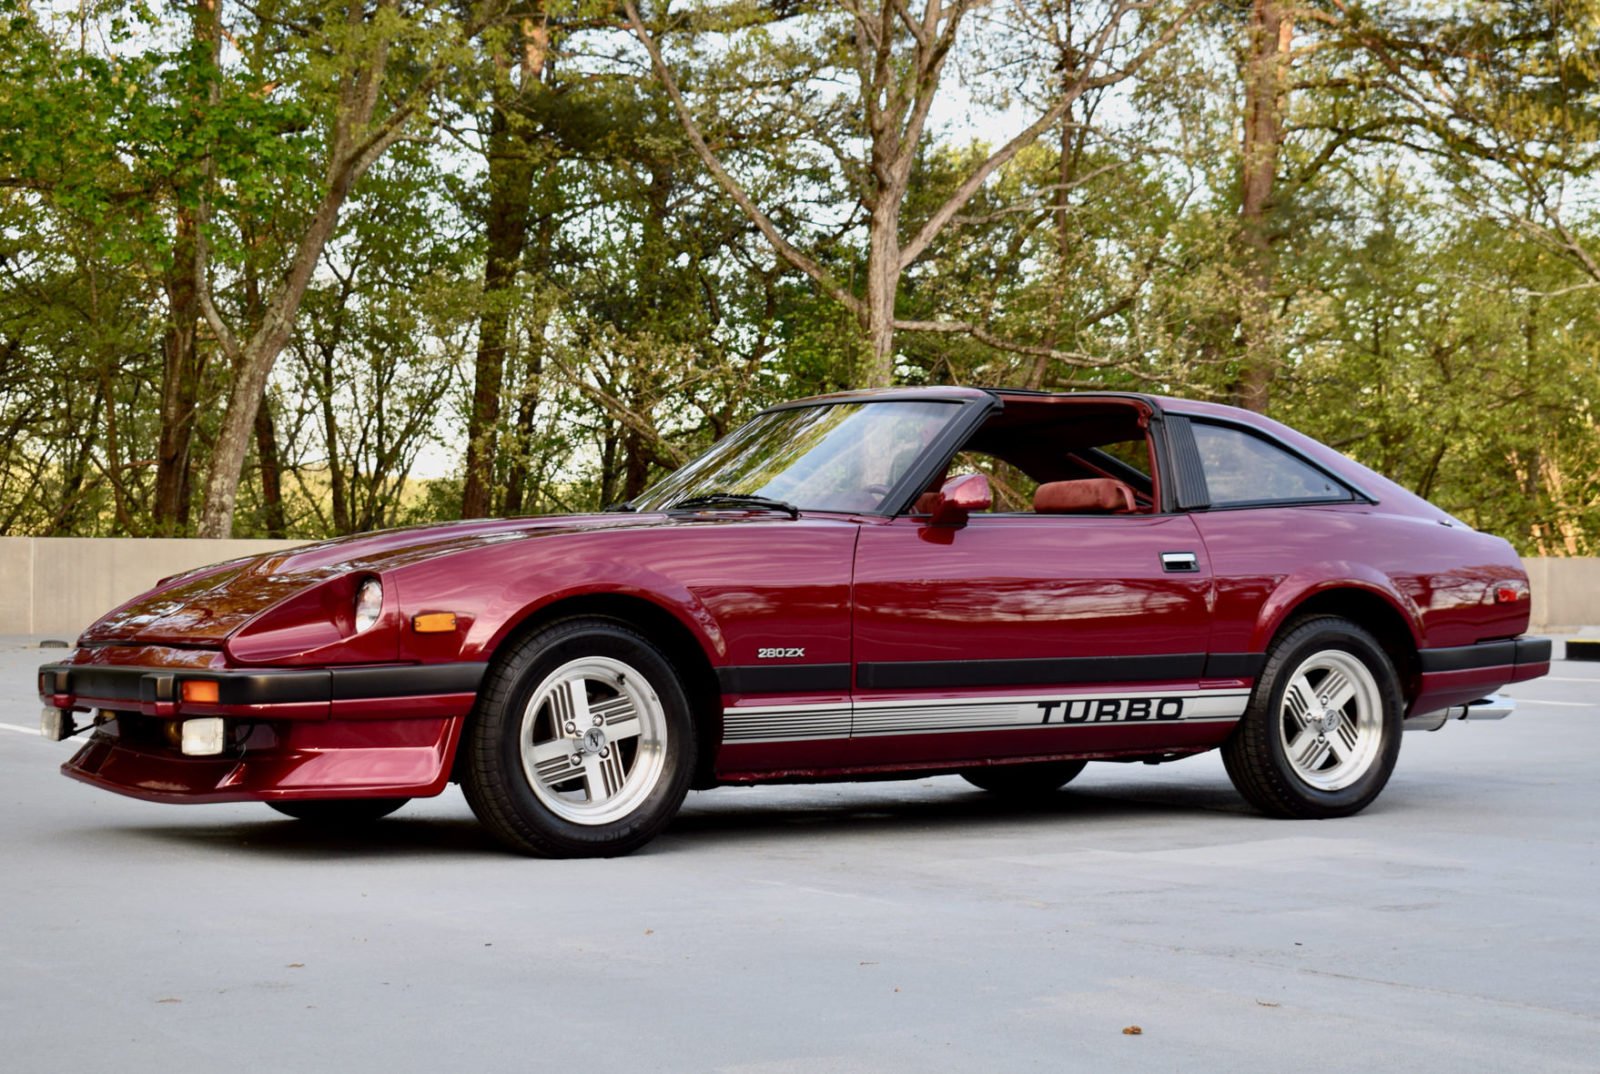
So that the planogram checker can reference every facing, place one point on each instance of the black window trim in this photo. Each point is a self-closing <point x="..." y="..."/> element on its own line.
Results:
<point x="954" y="440"/>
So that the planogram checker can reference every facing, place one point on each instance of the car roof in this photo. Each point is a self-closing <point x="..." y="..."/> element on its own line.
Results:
<point x="954" y="393"/>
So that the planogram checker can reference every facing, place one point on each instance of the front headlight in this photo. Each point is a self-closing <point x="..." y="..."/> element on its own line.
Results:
<point x="369" y="603"/>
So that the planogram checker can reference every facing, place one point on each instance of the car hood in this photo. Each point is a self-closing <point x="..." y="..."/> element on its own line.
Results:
<point x="205" y="606"/>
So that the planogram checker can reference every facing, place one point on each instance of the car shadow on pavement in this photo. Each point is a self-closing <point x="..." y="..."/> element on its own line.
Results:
<point x="391" y="837"/>
<point x="721" y="815"/>
<point x="730" y="815"/>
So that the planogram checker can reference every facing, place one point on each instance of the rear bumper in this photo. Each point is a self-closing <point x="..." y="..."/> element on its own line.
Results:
<point x="1465" y="674"/>
<point x="1528" y="657"/>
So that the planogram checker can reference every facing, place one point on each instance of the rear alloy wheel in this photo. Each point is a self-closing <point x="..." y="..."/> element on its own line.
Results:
<point x="339" y="812"/>
<point x="1024" y="780"/>
<point x="582" y="743"/>
<point x="1322" y="732"/>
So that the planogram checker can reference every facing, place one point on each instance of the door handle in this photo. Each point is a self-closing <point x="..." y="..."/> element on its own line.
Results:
<point x="1180" y="562"/>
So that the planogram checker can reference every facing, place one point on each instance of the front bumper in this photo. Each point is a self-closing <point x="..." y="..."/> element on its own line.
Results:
<point x="379" y="731"/>
<point x="264" y="693"/>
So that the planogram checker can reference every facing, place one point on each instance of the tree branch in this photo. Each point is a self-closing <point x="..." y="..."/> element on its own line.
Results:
<point x="964" y="193"/>
<point x="763" y="224"/>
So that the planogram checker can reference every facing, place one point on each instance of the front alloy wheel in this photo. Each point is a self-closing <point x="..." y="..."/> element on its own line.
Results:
<point x="594" y="740"/>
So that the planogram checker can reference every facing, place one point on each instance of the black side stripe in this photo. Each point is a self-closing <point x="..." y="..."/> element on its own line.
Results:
<point x="1234" y="665"/>
<point x="933" y="674"/>
<point x="1039" y="672"/>
<point x="784" y="678"/>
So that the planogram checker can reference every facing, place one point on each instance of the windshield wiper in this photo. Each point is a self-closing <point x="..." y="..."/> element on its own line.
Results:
<point x="735" y="499"/>
<point x="617" y="508"/>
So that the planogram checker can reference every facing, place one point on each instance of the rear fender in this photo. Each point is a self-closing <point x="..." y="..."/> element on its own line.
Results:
<point x="1316" y="580"/>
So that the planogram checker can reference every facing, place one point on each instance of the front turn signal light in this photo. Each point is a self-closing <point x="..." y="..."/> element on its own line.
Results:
<point x="201" y="691"/>
<point x="434" y="622"/>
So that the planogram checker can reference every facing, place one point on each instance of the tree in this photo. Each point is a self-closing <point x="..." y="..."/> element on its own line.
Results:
<point x="897" y="56"/>
<point x="363" y="112"/>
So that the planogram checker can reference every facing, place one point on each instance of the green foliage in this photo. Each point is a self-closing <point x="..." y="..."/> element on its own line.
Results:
<point x="1429" y="308"/>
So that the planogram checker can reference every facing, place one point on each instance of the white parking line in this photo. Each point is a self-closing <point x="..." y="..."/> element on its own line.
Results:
<point x="1563" y="704"/>
<point x="1558" y="678"/>
<point x="33" y="732"/>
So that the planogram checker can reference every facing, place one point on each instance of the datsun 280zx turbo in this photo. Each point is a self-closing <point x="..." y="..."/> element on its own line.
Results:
<point x="998" y="583"/>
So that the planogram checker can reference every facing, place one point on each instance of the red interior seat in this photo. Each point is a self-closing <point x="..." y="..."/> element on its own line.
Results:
<point x="1095" y="495"/>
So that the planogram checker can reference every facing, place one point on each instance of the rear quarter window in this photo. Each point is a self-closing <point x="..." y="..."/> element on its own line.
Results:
<point x="1241" y="468"/>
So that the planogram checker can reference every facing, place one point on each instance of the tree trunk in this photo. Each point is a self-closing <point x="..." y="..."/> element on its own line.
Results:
<point x="1266" y="100"/>
<point x="355" y="144"/>
<point x="271" y="464"/>
<point x="511" y="170"/>
<point x="330" y="436"/>
<point x="1071" y="148"/>
<point x="523" y="431"/>
<point x="180" y="385"/>
<point x="180" y="375"/>
<point x="883" y="282"/>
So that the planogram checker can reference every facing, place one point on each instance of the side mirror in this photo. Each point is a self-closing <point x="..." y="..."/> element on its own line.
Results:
<point x="958" y="498"/>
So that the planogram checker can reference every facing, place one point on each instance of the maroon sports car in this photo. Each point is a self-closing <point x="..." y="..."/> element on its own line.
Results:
<point x="1003" y="584"/>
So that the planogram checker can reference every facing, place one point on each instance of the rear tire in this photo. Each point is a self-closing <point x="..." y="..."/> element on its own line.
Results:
<point x="1322" y="732"/>
<point x="339" y="812"/>
<point x="1024" y="780"/>
<point x="582" y="743"/>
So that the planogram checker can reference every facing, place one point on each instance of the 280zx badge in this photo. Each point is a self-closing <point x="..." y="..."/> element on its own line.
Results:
<point x="779" y="654"/>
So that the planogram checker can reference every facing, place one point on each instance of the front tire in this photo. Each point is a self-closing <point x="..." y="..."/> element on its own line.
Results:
<point x="582" y="743"/>
<point x="1322" y="732"/>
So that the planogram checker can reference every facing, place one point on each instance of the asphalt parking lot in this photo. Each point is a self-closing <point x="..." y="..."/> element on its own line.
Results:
<point x="874" y="927"/>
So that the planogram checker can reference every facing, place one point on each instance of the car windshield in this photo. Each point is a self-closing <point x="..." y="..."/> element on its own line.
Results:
<point x="828" y="457"/>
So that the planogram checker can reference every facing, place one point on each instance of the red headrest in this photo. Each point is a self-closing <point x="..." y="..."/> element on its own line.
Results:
<point x="1091" y="494"/>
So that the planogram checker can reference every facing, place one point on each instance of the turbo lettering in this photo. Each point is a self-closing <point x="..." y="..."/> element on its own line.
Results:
<point x="1110" y="710"/>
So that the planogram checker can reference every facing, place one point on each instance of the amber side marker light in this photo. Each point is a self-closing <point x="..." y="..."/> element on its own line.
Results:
<point x="434" y="622"/>
<point x="200" y="691"/>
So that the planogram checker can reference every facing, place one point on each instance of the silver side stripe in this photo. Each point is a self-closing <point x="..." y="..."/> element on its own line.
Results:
<point x="786" y="723"/>
<point x="796" y="723"/>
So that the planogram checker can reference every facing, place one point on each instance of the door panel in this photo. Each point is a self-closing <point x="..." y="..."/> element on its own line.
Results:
<point x="1030" y="635"/>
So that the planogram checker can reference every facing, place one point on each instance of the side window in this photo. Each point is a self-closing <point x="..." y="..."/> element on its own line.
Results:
<point x="1241" y="468"/>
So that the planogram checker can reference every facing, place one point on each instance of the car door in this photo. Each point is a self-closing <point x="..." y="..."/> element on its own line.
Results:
<point x="1023" y="635"/>
<point x="1072" y="618"/>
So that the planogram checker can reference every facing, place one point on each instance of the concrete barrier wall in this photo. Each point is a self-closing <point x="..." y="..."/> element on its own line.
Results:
<point x="59" y="585"/>
<point x="1566" y="592"/>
